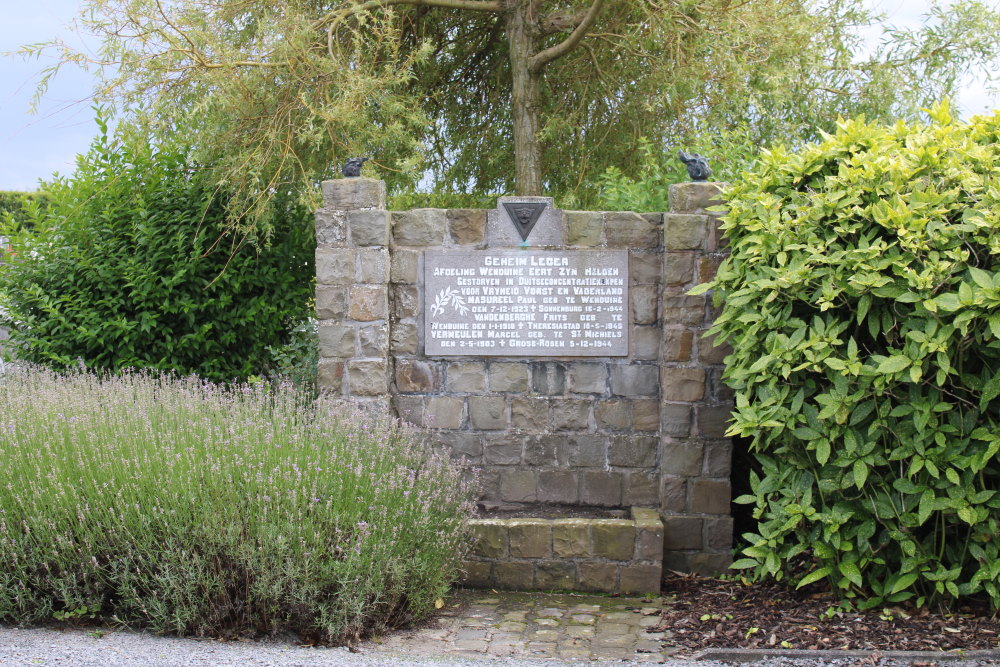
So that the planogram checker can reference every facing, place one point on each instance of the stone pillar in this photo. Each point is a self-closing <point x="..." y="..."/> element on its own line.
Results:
<point x="696" y="405"/>
<point x="352" y="290"/>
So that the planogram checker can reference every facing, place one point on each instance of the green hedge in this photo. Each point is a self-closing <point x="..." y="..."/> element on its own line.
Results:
<point x="20" y="204"/>
<point x="131" y="265"/>
<point x="861" y="301"/>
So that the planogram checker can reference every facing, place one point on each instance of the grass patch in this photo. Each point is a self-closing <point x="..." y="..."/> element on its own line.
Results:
<point x="184" y="507"/>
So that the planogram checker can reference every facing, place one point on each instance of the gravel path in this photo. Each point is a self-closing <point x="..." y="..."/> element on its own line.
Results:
<point x="80" y="648"/>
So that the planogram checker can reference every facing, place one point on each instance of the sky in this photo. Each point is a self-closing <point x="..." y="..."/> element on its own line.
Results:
<point x="33" y="147"/>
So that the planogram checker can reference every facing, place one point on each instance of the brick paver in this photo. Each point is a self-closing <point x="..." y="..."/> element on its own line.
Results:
<point x="535" y="625"/>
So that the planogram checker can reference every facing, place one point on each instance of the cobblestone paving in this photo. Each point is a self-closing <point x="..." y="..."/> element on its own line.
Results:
<point x="535" y="625"/>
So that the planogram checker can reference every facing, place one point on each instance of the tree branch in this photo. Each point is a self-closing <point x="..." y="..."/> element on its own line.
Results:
<point x="543" y="58"/>
<point x="560" y="22"/>
<point x="336" y="16"/>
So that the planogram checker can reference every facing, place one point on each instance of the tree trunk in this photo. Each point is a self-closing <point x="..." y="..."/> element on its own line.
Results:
<point x="525" y="100"/>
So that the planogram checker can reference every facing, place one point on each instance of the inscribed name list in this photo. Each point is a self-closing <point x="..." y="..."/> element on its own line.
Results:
<point x="568" y="303"/>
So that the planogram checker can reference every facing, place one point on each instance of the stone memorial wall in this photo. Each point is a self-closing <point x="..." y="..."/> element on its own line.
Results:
<point x="554" y="353"/>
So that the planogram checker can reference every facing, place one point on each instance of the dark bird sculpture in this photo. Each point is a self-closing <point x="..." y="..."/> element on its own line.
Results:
<point x="697" y="166"/>
<point x="352" y="168"/>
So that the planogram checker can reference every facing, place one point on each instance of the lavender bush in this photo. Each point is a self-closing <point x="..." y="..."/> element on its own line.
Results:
<point x="184" y="507"/>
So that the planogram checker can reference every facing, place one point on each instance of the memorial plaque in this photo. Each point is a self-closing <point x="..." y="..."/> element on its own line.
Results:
<point x="561" y="303"/>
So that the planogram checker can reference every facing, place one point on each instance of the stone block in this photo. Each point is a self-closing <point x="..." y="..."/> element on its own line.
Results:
<point x="645" y="343"/>
<point x="718" y="390"/>
<point x="676" y="561"/>
<point x="682" y="384"/>
<point x="708" y="267"/>
<point x="330" y="375"/>
<point x="719" y="533"/>
<point x="552" y="575"/>
<point x="513" y="576"/>
<point x="477" y="574"/>
<point x="624" y="229"/>
<point x="404" y="266"/>
<point x="466" y="376"/>
<point x="518" y="486"/>
<point x="649" y="539"/>
<point x="334" y="266"/>
<point x="612" y="415"/>
<point x="673" y="493"/>
<point x="409" y="408"/>
<point x="466" y="226"/>
<point x="614" y="539"/>
<point x="584" y="228"/>
<point x="571" y="538"/>
<point x="530" y="538"/>
<point x="373" y="265"/>
<point x="529" y="414"/>
<point x="540" y="450"/>
<point x="331" y="302"/>
<point x="489" y="538"/>
<point x="503" y="450"/>
<point x="509" y="377"/>
<point x="419" y="227"/>
<point x="710" y="564"/>
<point x="634" y="380"/>
<point x="677" y="344"/>
<point x="488" y="413"/>
<point x="368" y="303"/>
<point x="331" y="226"/>
<point x="710" y="353"/>
<point x="713" y="420"/>
<point x="601" y="488"/>
<point x="683" y="231"/>
<point x="443" y="412"/>
<point x="336" y="340"/>
<point x="646" y="415"/>
<point x="464" y="447"/>
<point x="403" y="339"/>
<point x="717" y="241"/>
<point x="571" y="414"/>
<point x="374" y="340"/>
<point x="415" y="375"/>
<point x="644" y="300"/>
<point x="367" y="378"/>
<point x="350" y="194"/>
<point x="548" y="378"/>
<point x="710" y="496"/>
<point x="645" y="268"/>
<point x="676" y="420"/>
<point x="718" y="458"/>
<point x="597" y="576"/>
<point x="582" y="451"/>
<point x="369" y="228"/>
<point x="682" y="309"/>
<point x="678" y="267"/>
<point x="588" y="378"/>
<point x="681" y="457"/>
<point x="682" y="532"/>
<point x="558" y="486"/>
<point x="694" y="197"/>
<point x="641" y="488"/>
<point x="632" y="451"/>
<point x="485" y="481"/>
<point x="405" y="301"/>
<point x="641" y="579"/>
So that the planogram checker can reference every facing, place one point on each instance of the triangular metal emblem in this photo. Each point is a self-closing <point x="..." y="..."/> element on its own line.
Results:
<point x="524" y="215"/>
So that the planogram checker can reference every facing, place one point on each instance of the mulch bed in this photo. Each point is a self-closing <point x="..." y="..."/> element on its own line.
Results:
<point x="711" y="613"/>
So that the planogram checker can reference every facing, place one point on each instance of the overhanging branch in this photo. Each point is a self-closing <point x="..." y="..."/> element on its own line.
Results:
<point x="543" y="58"/>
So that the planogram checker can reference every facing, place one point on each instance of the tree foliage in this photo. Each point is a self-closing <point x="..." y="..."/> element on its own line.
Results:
<point x="862" y="302"/>
<point x="131" y="266"/>
<point x="276" y="94"/>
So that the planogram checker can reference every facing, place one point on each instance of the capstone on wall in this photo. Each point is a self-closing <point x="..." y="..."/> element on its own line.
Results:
<point x="644" y="428"/>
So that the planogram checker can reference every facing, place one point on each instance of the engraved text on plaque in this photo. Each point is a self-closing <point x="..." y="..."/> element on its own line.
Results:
<point x="526" y="303"/>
